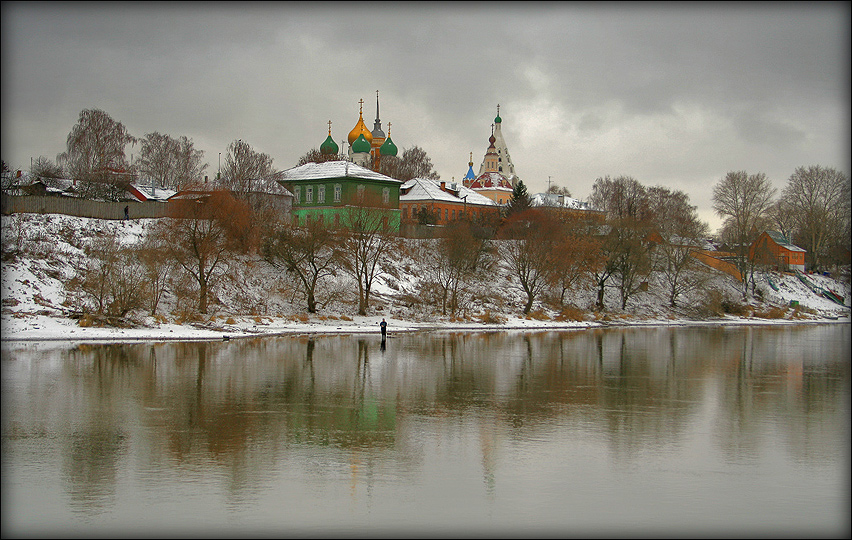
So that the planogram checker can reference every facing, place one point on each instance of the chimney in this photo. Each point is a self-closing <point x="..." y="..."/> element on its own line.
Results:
<point x="205" y="178"/>
<point x="443" y="185"/>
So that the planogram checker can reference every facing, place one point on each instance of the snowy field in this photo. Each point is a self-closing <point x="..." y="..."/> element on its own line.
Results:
<point x="254" y="298"/>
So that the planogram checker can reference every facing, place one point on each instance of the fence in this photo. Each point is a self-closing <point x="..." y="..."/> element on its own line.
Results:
<point x="711" y="259"/>
<point x="12" y="204"/>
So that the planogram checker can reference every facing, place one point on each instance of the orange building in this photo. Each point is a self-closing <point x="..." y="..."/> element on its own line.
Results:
<point x="772" y="248"/>
<point x="443" y="202"/>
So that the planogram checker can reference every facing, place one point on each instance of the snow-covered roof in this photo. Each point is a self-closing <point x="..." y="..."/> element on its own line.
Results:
<point x="559" y="201"/>
<point x="332" y="169"/>
<point x="154" y="193"/>
<point x="418" y="189"/>
<point x="491" y="180"/>
<point x="782" y="241"/>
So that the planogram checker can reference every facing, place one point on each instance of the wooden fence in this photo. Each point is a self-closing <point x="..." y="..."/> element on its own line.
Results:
<point x="711" y="259"/>
<point x="12" y="204"/>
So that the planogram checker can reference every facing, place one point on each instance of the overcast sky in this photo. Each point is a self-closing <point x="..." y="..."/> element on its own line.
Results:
<point x="670" y="94"/>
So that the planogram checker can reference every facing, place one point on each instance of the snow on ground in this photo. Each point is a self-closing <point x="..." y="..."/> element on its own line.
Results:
<point x="49" y="247"/>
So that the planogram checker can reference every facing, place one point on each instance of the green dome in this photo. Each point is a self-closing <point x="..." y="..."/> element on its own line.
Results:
<point x="388" y="148"/>
<point x="361" y="145"/>
<point x="329" y="146"/>
<point x="498" y="119"/>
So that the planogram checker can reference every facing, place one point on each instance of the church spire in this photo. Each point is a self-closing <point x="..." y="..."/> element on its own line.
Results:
<point x="497" y="158"/>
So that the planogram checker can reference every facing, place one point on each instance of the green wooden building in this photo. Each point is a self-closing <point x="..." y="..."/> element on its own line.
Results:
<point x="332" y="191"/>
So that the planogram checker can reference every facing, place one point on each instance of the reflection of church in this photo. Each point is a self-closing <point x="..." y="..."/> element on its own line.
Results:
<point x="497" y="177"/>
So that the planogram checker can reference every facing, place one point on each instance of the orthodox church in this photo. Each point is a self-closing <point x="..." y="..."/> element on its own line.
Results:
<point x="366" y="148"/>
<point x="496" y="179"/>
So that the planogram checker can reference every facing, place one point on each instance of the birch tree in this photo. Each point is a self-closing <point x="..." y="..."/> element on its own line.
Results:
<point x="95" y="155"/>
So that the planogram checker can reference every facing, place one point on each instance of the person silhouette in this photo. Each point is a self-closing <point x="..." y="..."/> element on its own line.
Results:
<point x="384" y="326"/>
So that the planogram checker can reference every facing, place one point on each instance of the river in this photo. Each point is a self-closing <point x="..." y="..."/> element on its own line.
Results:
<point x="663" y="431"/>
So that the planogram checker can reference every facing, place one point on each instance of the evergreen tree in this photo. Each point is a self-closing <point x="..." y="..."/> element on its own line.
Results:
<point x="520" y="200"/>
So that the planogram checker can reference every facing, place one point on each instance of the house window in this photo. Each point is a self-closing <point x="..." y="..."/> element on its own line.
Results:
<point x="297" y="194"/>
<point x="309" y="194"/>
<point x="385" y="195"/>
<point x="337" y="190"/>
<point x="321" y="194"/>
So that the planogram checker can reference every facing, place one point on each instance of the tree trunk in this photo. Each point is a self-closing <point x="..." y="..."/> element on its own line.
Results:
<point x="202" y="296"/>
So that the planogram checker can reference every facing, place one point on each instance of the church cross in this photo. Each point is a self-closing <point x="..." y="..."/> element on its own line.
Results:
<point x="361" y="110"/>
<point x="329" y="127"/>
<point x="389" y="125"/>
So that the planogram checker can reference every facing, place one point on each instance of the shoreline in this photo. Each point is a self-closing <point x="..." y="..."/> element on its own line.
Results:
<point x="177" y="333"/>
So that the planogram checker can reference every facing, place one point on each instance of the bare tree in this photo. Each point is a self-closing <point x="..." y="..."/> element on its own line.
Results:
<point x="558" y="190"/>
<point x="782" y="218"/>
<point x="528" y="240"/>
<point x="681" y="233"/>
<point x="157" y="268"/>
<point x="818" y="199"/>
<point x="169" y="163"/>
<point x="576" y="257"/>
<point x="246" y="171"/>
<point x="189" y="167"/>
<point x="7" y="179"/>
<point x="109" y="279"/>
<point x="413" y="163"/>
<point x="203" y="235"/>
<point x="743" y="201"/>
<point x="310" y="254"/>
<point x="95" y="155"/>
<point x="453" y="265"/>
<point x="47" y="171"/>
<point x="315" y="156"/>
<point x="367" y="243"/>
<point x="624" y="238"/>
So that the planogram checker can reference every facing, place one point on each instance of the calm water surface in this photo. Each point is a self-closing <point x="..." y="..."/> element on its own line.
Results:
<point x="629" y="432"/>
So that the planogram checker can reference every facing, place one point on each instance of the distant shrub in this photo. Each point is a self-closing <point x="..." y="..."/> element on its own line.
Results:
<point x="571" y="312"/>
<point x="772" y="313"/>
<point x="345" y="318"/>
<point x="491" y="318"/>
<point x="538" y="315"/>
<point x="732" y="307"/>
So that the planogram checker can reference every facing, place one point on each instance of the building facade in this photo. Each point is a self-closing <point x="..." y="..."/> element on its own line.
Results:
<point x="330" y="192"/>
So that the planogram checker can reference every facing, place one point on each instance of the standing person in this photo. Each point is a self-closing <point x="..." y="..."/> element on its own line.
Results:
<point x="127" y="212"/>
<point x="384" y="326"/>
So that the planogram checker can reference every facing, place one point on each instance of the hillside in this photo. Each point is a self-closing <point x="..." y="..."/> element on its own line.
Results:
<point x="41" y="253"/>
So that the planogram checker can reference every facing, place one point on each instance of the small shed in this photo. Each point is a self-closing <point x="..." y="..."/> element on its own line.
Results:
<point x="774" y="249"/>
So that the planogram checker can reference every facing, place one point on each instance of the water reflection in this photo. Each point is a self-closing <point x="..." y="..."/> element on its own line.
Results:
<point x="415" y="417"/>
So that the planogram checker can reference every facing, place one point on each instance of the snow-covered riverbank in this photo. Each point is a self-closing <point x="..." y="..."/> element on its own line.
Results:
<point x="34" y="293"/>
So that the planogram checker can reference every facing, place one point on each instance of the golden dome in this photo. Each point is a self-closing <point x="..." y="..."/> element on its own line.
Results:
<point x="360" y="128"/>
